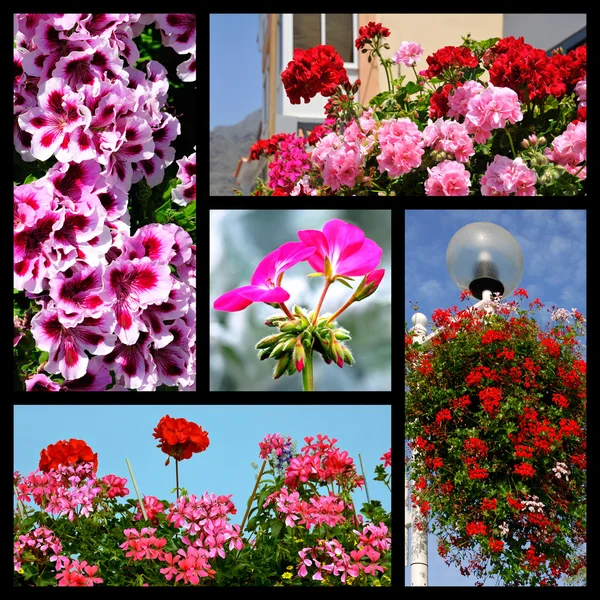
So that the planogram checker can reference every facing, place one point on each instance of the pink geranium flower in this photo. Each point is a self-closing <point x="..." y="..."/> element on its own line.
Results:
<point x="408" y="54"/>
<point x="345" y="246"/>
<point x="505" y="176"/>
<point x="266" y="278"/>
<point x="449" y="178"/>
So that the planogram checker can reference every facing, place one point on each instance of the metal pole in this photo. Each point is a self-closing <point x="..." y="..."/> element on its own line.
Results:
<point x="419" y="564"/>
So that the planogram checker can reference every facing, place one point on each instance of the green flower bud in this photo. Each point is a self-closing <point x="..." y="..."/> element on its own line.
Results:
<point x="348" y="358"/>
<point x="289" y="344"/>
<point x="299" y="355"/>
<point x="282" y="365"/>
<point x="341" y="334"/>
<point x="268" y="341"/>
<point x="280" y="348"/>
<point x="290" y="326"/>
<point x="264" y="354"/>
<point x="274" y="320"/>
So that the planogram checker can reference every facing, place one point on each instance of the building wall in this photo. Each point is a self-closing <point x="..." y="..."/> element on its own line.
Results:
<point x="543" y="31"/>
<point x="434" y="31"/>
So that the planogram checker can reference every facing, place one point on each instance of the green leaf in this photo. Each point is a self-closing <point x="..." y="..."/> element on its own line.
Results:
<point x="276" y="527"/>
<point x="30" y="178"/>
<point x="190" y="209"/>
<point x="412" y="88"/>
<point x="346" y="284"/>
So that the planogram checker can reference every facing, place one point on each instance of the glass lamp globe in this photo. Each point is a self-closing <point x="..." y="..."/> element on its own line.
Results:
<point x="484" y="256"/>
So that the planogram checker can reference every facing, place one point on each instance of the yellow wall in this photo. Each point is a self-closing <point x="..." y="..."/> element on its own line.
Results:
<point x="433" y="31"/>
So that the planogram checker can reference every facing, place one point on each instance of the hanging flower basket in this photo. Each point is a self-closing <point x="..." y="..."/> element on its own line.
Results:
<point x="495" y="415"/>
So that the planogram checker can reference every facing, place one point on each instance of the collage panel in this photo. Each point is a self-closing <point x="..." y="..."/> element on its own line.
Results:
<point x="202" y="495"/>
<point x="495" y="417"/>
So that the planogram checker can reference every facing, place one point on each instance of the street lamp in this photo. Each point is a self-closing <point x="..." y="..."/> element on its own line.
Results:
<point x="486" y="259"/>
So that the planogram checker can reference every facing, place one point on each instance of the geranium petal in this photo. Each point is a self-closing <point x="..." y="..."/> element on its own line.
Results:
<point x="344" y="239"/>
<point x="233" y="301"/>
<point x="316" y="239"/>
<point x="361" y="262"/>
<point x="260" y="294"/>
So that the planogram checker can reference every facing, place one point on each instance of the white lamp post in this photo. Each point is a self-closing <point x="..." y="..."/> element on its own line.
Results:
<point x="486" y="259"/>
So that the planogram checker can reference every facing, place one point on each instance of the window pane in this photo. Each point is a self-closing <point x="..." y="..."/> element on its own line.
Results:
<point x="307" y="31"/>
<point x="339" y="35"/>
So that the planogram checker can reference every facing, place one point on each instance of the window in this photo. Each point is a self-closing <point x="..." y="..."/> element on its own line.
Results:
<point x="335" y="30"/>
<point x="572" y="42"/>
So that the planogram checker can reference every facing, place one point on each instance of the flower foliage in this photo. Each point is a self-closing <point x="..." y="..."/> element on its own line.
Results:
<point x="493" y="420"/>
<point x="519" y="131"/>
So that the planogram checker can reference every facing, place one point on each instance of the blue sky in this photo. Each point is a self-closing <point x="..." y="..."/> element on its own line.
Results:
<point x="235" y="68"/>
<point x="117" y="432"/>
<point x="554" y="248"/>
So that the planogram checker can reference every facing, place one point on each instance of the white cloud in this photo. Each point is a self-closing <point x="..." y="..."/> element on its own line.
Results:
<point x="432" y="288"/>
<point x="559" y="246"/>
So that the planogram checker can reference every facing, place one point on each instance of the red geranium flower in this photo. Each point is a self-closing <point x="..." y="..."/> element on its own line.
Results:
<point x="368" y="32"/>
<point x="65" y="453"/>
<point x="318" y="70"/>
<point x="180" y="438"/>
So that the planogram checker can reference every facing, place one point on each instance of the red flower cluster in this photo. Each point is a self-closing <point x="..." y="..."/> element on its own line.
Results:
<point x="525" y="470"/>
<point x="533" y="559"/>
<point x="318" y="70"/>
<point x="478" y="373"/>
<point x="369" y="32"/>
<point x="530" y="72"/>
<point x="443" y="415"/>
<point x="438" y="103"/>
<point x="180" y="438"/>
<point x="488" y="504"/>
<point x="506" y="353"/>
<point x="65" y="453"/>
<point x="450" y="57"/>
<point x="551" y="346"/>
<point x="490" y="400"/>
<point x="496" y="545"/>
<point x="478" y="473"/>
<point x="560" y="400"/>
<point x="266" y="147"/>
<point x="492" y="336"/>
<point x="476" y="446"/>
<point x="425" y="367"/>
<point x="476" y="527"/>
<point x="460" y="403"/>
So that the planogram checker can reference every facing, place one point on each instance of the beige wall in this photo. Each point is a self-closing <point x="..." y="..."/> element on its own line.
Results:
<point x="367" y="71"/>
<point x="433" y="31"/>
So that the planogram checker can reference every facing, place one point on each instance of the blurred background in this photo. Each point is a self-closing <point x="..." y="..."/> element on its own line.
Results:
<point x="239" y="240"/>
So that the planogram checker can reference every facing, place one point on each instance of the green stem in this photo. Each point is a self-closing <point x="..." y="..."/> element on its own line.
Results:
<point x="362" y="470"/>
<point x="511" y="142"/>
<point x="177" y="477"/>
<point x="251" y="500"/>
<point x="307" y="372"/>
<point x="137" y="491"/>
<point x="19" y="503"/>
<point x="385" y="67"/>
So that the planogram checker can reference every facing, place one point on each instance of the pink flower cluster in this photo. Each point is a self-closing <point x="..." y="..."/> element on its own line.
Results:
<point x="179" y="32"/>
<point x="505" y="176"/>
<point x="190" y="565"/>
<point x="450" y="137"/>
<point x="205" y="521"/>
<point x="570" y="149"/>
<point x="387" y="458"/>
<point x="116" y="486"/>
<point x="75" y="573"/>
<point x="152" y="506"/>
<point x="319" y="510"/>
<point x="102" y="291"/>
<point x="63" y="491"/>
<point x="458" y="99"/>
<point x="289" y="163"/>
<point x="274" y="443"/>
<point x="185" y="192"/>
<point x="38" y="542"/>
<point x="322" y="461"/>
<point x="401" y="145"/>
<point x="408" y="54"/>
<point x="490" y="109"/>
<point x="449" y="178"/>
<point x="142" y="545"/>
<point x="329" y="557"/>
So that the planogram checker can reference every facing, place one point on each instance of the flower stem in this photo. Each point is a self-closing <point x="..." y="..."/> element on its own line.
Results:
<point x="327" y="284"/>
<point x="511" y="142"/>
<point x="251" y="500"/>
<point x="286" y="310"/>
<point x="137" y="491"/>
<point x="177" y="477"/>
<point x="341" y="310"/>
<point x="307" y="372"/>
<point x="19" y="503"/>
<point x="362" y="469"/>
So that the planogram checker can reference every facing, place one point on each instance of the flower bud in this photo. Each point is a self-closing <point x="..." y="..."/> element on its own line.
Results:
<point x="542" y="141"/>
<point x="348" y="358"/>
<point x="342" y="334"/>
<point x="369" y="284"/>
<point x="525" y="143"/>
<point x="280" y="348"/>
<point x="282" y="365"/>
<point x="274" y="320"/>
<point x="299" y="354"/>
<point x="293" y="326"/>
<point x="264" y="354"/>
<point x="269" y="341"/>
<point x="289" y="344"/>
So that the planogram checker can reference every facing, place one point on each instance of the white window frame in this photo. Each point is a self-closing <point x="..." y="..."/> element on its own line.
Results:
<point x="348" y="65"/>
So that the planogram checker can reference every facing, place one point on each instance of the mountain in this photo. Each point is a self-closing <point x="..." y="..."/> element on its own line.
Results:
<point x="228" y="143"/>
